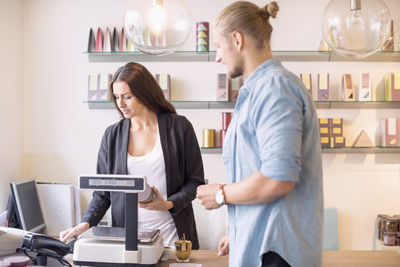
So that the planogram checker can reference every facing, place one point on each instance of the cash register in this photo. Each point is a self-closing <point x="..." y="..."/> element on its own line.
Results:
<point x="112" y="246"/>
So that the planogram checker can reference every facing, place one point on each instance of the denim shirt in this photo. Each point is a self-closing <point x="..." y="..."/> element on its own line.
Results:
<point x="275" y="131"/>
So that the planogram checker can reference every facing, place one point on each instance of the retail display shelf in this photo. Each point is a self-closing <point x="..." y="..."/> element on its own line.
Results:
<point x="381" y="246"/>
<point x="185" y="56"/>
<point x="211" y="150"/>
<point x="177" y="104"/>
<point x="231" y="104"/>
<point x="357" y="104"/>
<point x="363" y="150"/>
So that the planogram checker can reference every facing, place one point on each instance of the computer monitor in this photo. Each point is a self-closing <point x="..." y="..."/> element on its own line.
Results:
<point x="27" y="204"/>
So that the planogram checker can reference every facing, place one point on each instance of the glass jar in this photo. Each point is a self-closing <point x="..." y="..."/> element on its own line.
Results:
<point x="389" y="238"/>
<point x="392" y="224"/>
<point x="380" y="225"/>
<point x="398" y="239"/>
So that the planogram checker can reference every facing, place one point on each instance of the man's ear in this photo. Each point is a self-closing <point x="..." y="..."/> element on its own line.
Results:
<point x="237" y="39"/>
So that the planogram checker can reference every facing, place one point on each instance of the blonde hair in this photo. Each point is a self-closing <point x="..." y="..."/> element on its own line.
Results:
<point x="249" y="19"/>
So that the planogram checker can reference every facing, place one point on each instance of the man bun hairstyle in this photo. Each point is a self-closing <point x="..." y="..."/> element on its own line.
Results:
<point x="271" y="9"/>
<point x="247" y="18"/>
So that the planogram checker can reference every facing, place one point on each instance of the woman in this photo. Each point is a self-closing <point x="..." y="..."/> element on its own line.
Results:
<point x="150" y="140"/>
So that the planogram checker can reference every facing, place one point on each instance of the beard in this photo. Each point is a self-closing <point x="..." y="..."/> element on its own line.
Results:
<point x="236" y="72"/>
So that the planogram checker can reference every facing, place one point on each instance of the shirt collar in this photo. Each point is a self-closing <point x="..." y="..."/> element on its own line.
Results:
<point x="260" y="70"/>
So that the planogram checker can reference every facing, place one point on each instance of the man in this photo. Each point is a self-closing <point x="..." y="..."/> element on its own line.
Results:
<point x="272" y="151"/>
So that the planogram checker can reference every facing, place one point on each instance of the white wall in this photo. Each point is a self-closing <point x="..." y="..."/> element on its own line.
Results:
<point x="61" y="135"/>
<point x="11" y="96"/>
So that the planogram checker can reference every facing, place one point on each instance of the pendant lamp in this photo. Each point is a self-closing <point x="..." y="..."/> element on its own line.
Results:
<point x="356" y="28"/>
<point x="157" y="27"/>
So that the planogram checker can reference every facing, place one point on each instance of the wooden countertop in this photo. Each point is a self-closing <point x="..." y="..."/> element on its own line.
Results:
<point x="334" y="258"/>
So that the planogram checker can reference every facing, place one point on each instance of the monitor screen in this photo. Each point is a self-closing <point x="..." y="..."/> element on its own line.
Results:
<point x="28" y="206"/>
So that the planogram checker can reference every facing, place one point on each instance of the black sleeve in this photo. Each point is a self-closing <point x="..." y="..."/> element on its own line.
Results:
<point x="194" y="173"/>
<point x="100" y="202"/>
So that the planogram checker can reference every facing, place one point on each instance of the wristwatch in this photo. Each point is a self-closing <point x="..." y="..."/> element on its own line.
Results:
<point x="220" y="196"/>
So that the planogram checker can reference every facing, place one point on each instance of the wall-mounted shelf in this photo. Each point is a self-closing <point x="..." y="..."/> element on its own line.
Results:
<point x="231" y="104"/>
<point x="362" y="150"/>
<point x="357" y="104"/>
<point x="177" y="104"/>
<point x="184" y="56"/>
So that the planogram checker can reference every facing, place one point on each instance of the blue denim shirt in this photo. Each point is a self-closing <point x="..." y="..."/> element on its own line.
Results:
<point x="275" y="131"/>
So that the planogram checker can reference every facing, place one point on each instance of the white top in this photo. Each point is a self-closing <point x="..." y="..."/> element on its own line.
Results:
<point x="152" y="166"/>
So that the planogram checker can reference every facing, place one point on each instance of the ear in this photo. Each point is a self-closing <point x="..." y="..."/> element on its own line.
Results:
<point x="237" y="39"/>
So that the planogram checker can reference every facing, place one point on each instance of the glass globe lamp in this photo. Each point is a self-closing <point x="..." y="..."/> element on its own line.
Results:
<point x="356" y="28"/>
<point x="157" y="27"/>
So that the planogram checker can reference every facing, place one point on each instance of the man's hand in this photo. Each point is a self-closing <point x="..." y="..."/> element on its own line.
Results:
<point x="223" y="246"/>
<point x="206" y="195"/>
<point x="74" y="231"/>
<point x="159" y="203"/>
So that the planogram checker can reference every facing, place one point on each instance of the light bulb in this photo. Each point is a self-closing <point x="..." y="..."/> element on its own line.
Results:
<point x="157" y="27"/>
<point x="356" y="28"/>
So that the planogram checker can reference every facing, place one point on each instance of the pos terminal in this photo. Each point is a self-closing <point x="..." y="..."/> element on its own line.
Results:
<point x="103" y="246"/>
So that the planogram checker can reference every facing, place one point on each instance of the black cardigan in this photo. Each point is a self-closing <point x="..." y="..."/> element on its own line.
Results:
<point x="183" y="169"/>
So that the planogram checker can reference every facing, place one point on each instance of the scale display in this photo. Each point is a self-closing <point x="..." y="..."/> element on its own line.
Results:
<point x="121" y="183"/>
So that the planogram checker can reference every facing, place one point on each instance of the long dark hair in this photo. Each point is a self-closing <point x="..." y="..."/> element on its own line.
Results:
<point x="143" y="86"/>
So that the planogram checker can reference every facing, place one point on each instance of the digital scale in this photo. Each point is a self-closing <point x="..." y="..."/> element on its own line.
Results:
<point x="113" y="246"/>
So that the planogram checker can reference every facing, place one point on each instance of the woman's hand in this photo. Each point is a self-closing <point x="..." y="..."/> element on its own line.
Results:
<point x="74" y="231"/>
<point x="158" y="203"/>
<point x="223" y="246"/>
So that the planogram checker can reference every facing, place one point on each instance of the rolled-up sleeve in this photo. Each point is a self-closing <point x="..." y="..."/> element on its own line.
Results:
<point x="277" y="115"/>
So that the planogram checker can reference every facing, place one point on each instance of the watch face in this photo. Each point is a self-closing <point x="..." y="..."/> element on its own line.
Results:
<point x="219" y="197"/>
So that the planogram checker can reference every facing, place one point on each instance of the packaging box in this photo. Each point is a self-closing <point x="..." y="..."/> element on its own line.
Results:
<point x="93" y="83"/>
<point x="392" y="86"/>
<point x="325" y="142"/>
<point x="324" y="129"/>
<point x="347" y="90"/>
<point x="164" y="80"/>
<point x="336" y="127"/>
<point x="323" y="87"/>
<point x="236" y="83"/>
<point x="391" y="132"/>
<point x="365" y="92"/>
<point x="338" y="141"/>
<point x="103" y="94"/>
<point x="306" y="79"/>
<point x="223" y="87"/>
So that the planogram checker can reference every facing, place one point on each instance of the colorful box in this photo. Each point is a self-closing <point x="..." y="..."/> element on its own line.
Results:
<point x="336" y="127"/>
<point x="164" y="80"/>
<point x="392" y="86"/>
<point x="323" y="87"/>
<point x="347" y="90"/>
<point x="391" y="132"/>
<point x="93" y="83"/>
<point x="236" y="83"/>
<point x="103" y="93"/>
<point x="223" y="87"/>
<point x="365" y="88"/>
<point x="338" y="141"/>
<point x="324" y="129"/>
<point x="202" y="36"/>
<point x="306" y="79"/>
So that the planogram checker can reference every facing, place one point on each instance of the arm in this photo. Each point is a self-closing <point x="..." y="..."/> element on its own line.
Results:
<point x="255" y="189"/>
<point x="277" y="120"/>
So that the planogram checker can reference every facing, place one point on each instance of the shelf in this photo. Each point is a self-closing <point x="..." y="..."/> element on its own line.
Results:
<point x="211" y="150"/>
<point x="184" y="56"/>
<point x="177" y="104"/>
<point x="357" y="104"/>
<point x="362" y="150"/>
<point x="381" y="246"/>
<point x="231" y="104"/>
